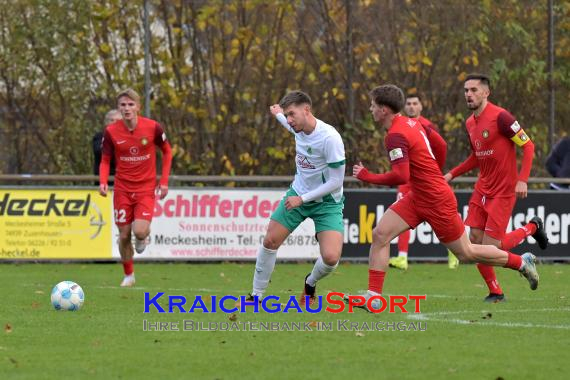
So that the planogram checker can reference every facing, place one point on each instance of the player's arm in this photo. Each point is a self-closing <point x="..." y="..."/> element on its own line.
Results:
<point x="469" y="164"/>
<point x="334" y="182"/>
<point x="510" y="128"/>
<point x="277" y="111"/>
<point x="161" y="141"/>
<point x="397" y="147"/>
<point x="437" y="144"/>
<point x="107" y="151"/>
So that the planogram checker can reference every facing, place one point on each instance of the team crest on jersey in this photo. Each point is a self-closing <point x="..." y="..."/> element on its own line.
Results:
<point x="478" y="144"/>
<point x="144" y="141"/>
<point x="310" y="150"/>
<point x="396" y="153"/>
<point x="134" y="150"/>
<point x="523" y="137"/>
<point x="485" y="133"/>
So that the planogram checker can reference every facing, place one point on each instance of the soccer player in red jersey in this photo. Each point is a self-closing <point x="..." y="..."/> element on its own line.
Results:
<point x="493" y="134"/>
<point x="131" y="141"/>
<point x="430" y="198"/>
<point x="413" y="109"/>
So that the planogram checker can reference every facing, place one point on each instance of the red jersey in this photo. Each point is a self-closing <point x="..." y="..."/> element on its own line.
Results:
<point x="493" y="135"/>
<point x="413" y="161"/>
<point x="135" y="155"/>
<point x="439" y="150"/>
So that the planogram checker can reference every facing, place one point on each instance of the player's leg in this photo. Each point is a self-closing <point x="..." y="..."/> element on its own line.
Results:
<point x="534" y="228"/>
<point x="329" y="228"/>
<point x="390" y="225"/>
<point x="281" y="224"/>
<point x="143" y="212"/>
<point x="488" y="254"/>
<point x="401" y="261"/>
<point x="123" y="209"/>
<point x="478" y="220"/>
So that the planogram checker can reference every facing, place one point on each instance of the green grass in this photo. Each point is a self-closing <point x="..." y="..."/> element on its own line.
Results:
<point x="526" y="337"/>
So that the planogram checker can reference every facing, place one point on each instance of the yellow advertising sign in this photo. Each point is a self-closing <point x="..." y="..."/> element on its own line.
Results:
<point x="54" y="224"/>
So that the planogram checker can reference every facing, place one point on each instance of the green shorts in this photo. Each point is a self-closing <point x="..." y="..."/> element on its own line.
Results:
<point x="326" y="215"/>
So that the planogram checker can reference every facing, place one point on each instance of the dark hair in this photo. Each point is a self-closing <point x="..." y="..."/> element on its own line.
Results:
<point x="409" y="95"/>
<point x="389" y="95"/>
<point x="481" y="77"/>
<point x="295" y="97"/>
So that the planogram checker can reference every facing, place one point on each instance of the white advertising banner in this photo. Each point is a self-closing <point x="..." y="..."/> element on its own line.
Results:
<point x="217" y="224"/>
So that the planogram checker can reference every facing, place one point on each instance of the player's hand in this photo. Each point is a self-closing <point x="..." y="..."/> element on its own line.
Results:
<point x="356" y="169"/>
<point x="448" y="177"/>
<point x="103" y="189"/>
<point x="161" y="191"/>
<point x="292" y="202"/>
<point x="521" y="189"/>
<point x="275" y="109"/>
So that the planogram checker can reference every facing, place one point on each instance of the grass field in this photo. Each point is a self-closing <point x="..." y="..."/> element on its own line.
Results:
<point x="526" y="337"/>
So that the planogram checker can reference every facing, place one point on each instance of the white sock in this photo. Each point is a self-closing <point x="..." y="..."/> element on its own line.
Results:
<point x="320" y="270"/>
<point x="403" y="253"/>
<point x="263" y="268"/>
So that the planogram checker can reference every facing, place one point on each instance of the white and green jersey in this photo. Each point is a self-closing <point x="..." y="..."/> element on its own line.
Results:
<point x="316" y="154"/>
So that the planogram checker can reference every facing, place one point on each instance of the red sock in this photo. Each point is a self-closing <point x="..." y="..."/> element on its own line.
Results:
<point x="512" y="239"/>
<point x="513" y="261"/>
<point x="488" y="274"/>
<point x="128" y="267"/>
<point x="376" y="280"/>
<point x="404" y="241"/>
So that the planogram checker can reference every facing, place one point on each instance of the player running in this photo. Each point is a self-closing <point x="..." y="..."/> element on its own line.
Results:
<point x="493" y="134"/>
<point x="430" y="198"/>
<point x="131" y="141"/>
<point x="316" y="193"/>
<point x="413" y="109"/>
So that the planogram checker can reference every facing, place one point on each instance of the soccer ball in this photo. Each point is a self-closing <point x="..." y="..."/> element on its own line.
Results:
<point x="67" y="295"/>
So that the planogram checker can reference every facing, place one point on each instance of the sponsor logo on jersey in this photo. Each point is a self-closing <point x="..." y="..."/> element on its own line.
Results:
<point x="304" y="162"/>
<point x="477" y="144"/>
<point x="134" y="150"/>
<point x="515" y="127"/>
<point x="396" y="154"/>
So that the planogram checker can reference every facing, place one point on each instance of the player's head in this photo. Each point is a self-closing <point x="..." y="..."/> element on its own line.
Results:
<point x="296" y="107"/>
<point x="386" y="100"/>
<point x="477" y="88"/>
<point x="112" y="117"/>
<point x="129" y="104"/>
<point x="413" y="107"/>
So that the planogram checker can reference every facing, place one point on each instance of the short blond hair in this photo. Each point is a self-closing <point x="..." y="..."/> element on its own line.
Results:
<point x="109" y="116"/>
<point x="131" y="94"/>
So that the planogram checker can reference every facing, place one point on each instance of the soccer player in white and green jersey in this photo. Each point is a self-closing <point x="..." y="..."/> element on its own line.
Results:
<point x="315" y="193"/>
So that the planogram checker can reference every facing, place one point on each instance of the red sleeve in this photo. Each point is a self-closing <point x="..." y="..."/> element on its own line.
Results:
<point x="107" y="152"/>
<point x="507" y="124"/>
<point x="399" y="175"/>
<point x="438" y="146"/>
<point x="467" y="165"/>
<point x="161" y="140"/>
<point x="526" y="163"/>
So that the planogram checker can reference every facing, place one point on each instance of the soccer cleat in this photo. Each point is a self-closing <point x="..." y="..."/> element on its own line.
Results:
<point x="310" y="291"/>
<point x="400" y="262"/>
<point x="367" y="295"/>
<point x="529" y="269"/>
<point x="249" y="299"/>
<point x="452" y="260"/>
<point x="128" y="281"/>
<point x="540" y="234"/>
<point x="140" y="245"/>
<point x="495" y="298"/>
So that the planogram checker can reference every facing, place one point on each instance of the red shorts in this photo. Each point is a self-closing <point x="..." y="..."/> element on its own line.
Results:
<point x="490" y="215"/>
<point x="131" y="206"/>
<point x="442" y="215"/>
